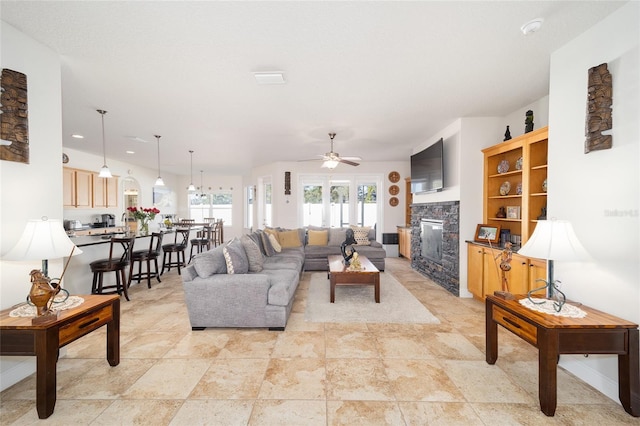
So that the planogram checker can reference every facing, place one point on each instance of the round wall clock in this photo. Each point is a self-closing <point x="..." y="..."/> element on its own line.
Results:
<point x="394" y="177"/>
<point x="394" y="190"/>
<point x="393" y="201"/>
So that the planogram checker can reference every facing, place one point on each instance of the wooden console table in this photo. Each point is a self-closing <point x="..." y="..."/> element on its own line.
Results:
<point x="597" y="333"/>
<point x="19" y="337"/>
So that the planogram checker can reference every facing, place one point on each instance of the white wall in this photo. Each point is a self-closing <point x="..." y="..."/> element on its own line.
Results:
<point x="599" y="192"/>
<point x="29" y="191"/>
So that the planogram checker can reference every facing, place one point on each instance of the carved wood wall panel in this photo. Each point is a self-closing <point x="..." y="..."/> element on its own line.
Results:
<point x="599" y="117"/>
<point x="14" y="124"/>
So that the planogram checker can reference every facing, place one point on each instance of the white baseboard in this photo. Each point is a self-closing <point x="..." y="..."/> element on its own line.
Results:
<point x="16" y="371"/>
<point x="580" y="368"/>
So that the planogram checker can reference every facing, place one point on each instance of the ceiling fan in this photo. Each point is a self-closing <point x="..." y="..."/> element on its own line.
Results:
<point x="332" y="159"/>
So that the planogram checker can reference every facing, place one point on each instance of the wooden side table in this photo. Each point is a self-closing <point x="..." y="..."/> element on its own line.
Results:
<point x="19" y="337"/>
<point x="597" y="333"/>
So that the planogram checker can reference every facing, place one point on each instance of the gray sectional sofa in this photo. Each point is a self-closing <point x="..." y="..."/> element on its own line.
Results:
<point x="251" y="281"/>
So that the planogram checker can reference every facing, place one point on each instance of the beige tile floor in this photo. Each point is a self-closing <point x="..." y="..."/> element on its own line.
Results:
<point x="310" y="374"/>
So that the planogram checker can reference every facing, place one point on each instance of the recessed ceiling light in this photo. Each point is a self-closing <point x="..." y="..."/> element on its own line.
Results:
<point x="130" y="152"/>
<point x="269" y="77"/>
<point x="76" y="136"/>
<point x="137" y="139"/>
<point x="532" y="26"/>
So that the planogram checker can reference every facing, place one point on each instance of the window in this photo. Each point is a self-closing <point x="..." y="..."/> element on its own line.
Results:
<point x="367" y="205"/>
<point x="218" y="205"/>
<point x="339" y="211"/>
<point x="312" y="206"/>
<point x="268" y="204"/>
<point x="248" y="208"/>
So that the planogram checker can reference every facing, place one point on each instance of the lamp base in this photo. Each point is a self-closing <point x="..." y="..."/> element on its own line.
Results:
<point x="553" y="293"/>
<point x="41" y="292"/>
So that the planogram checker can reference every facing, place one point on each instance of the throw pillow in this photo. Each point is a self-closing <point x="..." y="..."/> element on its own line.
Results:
<point x="254" y="255"/>
<point x="318" y="238"/>
<point x="272" y="231"/>
<point x="274" y="243"/>
<point x="361" y="234"/>
<point x="289" y="238"/>
<point x="337" y="236"/>
<point x="235" y="257"/>
<point x="266" y="244"/>
<point x="210" y="262"/>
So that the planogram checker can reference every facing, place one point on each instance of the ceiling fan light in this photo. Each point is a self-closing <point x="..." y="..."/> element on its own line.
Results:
<point x="330" y="164"/>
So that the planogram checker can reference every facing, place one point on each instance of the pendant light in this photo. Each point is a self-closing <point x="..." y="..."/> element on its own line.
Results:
<point x="201" y="185"/>
<point x="191" y="187"/>
<point x="159" y="181"/>
<point x="104" y="171"/>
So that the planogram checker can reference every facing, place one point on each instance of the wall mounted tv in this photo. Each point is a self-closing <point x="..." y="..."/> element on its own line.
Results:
<point x="427" y="169"/>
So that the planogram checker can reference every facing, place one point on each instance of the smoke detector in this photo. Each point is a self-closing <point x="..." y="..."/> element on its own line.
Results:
<point x="532" y="26"/>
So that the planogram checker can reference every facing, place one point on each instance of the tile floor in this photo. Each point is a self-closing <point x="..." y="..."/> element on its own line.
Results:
<point x="310" y="374"/>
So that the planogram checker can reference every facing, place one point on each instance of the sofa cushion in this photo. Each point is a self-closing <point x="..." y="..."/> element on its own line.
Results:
<point x="289" y="238"/>
<point x="256" y="236"/>
<point x="318" y="238"/>
<point x="235" y="257"/>
<point x="361" y="234"/>
<point x="210" y="262"/>
<point x="337" y="236"/>
<point x="274" y="243"/>
<point x="283" y="286"/>
<point x="271" y="231"/>
<point x="266" y="244"/>
<point x="254" y="255"/>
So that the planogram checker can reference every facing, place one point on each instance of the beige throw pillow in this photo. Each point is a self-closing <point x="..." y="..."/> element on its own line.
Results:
<point x="318" y="238"/>
<point x="361" y="234"/>
<point x="274" y="243"/>
<point x="289" y="238"/>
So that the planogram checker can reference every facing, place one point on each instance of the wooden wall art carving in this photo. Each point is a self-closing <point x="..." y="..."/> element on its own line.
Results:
<point x="599" y="117"/>
<point x="14" y="124"/>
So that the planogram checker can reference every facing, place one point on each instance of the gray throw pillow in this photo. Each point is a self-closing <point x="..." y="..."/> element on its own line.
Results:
<point x="255" y="236"/>
<point x="210" y="262"/>
<point x="337" y="236"/>
<point x="266" y="243"/>
<point x="254" y="255"/>
<point x="235" y="257"/>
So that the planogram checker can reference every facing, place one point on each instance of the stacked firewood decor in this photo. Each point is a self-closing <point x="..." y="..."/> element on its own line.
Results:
<point x="599" y="103"/>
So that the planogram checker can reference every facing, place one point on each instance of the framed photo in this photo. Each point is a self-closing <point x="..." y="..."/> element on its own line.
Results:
<point x="513" y="212"/>
<point x="488" y="233"/>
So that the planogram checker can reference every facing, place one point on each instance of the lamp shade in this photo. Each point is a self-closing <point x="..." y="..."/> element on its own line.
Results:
<point x="330" y="164"/>
<point x="554" y="240"/>
<point x="42" y="239"/>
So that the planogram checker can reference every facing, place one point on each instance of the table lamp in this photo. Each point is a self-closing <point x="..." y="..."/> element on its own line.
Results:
<point x="42" y="239"/>
<point x="553" y="240"/>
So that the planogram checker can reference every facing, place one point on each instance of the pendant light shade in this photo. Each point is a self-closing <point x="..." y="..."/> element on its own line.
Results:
<point x="191" y="187"/>
<point x="104" y="171"/>
<point x="159" y="181"/>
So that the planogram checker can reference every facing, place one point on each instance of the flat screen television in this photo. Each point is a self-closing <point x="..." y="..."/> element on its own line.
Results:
<point x="427" y="169"/>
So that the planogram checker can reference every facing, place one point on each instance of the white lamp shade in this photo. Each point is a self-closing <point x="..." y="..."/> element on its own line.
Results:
<point x="159" y="181"/>
<point x="105" y="172"/>
<point x="554" y="240"/>
<point x="330" y="164"/>
<point x="42" y="239"/>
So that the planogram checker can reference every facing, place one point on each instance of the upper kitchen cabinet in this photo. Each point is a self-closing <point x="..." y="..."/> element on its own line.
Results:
<point x="105" y="191"/>
<point x="77" y="191"/>
<point x="83" y="189"/>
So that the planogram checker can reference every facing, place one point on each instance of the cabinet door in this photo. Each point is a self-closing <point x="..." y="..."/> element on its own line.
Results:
<point x="84" y="184"/>
<point x="99" y="191"/>
<point x="518" y="276"/>
<point x="68" y="187"/>
<point x="491" y="271"/>
<point x="475" y="256"/>
<point x="112" y="192"/>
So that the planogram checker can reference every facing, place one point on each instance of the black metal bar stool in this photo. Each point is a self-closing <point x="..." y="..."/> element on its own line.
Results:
<point x="205" y="238"/>
<point x="178" y="247"/>
<point x="218" y="237"/>
<point x="146" y="256"/>
<point x="114" y="263"/>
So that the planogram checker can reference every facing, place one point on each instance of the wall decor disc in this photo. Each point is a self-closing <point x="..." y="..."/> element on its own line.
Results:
<point x="393" y="201"/>
<point x="394" y="177"/>
<point x="394" y="190"/>
<point x="65" y="158"/>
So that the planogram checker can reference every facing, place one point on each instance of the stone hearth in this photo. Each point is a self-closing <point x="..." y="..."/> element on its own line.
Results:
<point x="445" y="273"/>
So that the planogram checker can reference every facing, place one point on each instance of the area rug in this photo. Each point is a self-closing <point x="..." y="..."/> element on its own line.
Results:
<point x="357" y="304"/>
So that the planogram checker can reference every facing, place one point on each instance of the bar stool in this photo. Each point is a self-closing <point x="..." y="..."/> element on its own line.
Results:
<point x="217" y="233"/>
<point x="178" y="246"/>
<point x="204" y="239"/>
<point x="114" y="263"/>
<point x="147" y="256"/>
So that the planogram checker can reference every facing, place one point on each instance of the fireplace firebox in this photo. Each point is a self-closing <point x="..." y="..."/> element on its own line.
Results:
<point x="431" y="235"/>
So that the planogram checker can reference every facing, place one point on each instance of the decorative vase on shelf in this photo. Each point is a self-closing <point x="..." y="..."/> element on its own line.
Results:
<point x="502" y="213"/>
<point x="144" y="227"/>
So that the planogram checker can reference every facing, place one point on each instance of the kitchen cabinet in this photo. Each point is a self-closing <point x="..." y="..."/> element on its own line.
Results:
<point x="404" y="241"/>
<point x="484" y="275"/>
<point x="105" y="191"/>
<point x="77" y="190"/>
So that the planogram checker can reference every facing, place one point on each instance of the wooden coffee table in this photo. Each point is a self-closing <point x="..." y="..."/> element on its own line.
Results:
<point x="340" y="275"/>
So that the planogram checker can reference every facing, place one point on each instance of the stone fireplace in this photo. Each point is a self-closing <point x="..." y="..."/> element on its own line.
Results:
<point x="435" y="247"/>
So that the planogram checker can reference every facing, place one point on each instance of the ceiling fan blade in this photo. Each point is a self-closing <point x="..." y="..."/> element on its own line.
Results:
<point x="343" y="160"/>
<point x="352" y="158"/>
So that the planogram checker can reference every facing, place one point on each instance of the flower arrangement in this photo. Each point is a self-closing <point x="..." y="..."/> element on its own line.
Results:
<point x="144" y="215"/>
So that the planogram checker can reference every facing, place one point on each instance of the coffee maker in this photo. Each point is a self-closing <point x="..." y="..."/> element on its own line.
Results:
<point x="108" y="220"/>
